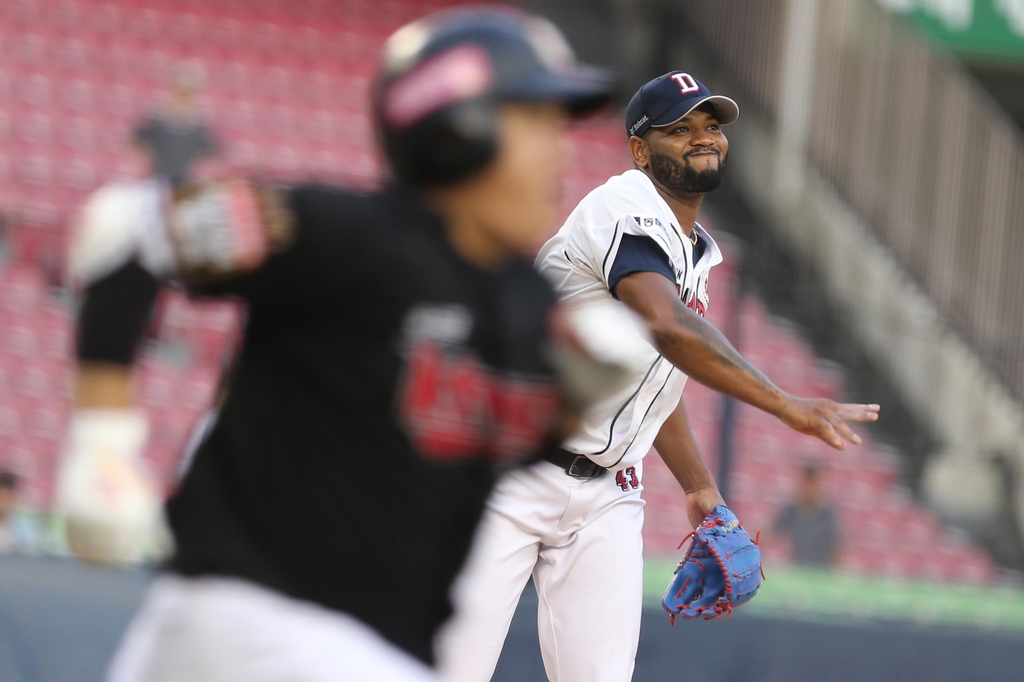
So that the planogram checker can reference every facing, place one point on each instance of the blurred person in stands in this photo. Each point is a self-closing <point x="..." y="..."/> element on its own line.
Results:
<point x="177" y="137"/>
<point x="176" y="144"/>
<point x="395" y="356"/>
<point x="810" y="523"/>
<point x="18" y="534"/>
<point x="5" y="224"/>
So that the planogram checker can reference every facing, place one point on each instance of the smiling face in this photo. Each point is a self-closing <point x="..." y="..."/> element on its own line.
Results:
<point x="687" y="156"/>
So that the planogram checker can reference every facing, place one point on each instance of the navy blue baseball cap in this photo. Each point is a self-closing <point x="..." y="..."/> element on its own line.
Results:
<point x="670" y="97"/>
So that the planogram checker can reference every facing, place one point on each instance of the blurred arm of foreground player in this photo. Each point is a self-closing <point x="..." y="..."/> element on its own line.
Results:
<point x="230" y="237"/>
<point x="123" y="246"/>
<point x="110" y="504"/>
<point x="695" y="346"/>
<point x="678" y="449"/>
<point x="102" y="385"/>
<point x="121" y="250"/>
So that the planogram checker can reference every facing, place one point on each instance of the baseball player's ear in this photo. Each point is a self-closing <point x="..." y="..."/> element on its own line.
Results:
<point x="638" y="149"/>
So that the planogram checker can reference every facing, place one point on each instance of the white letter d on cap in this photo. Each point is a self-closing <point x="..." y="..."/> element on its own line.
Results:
<point x="686" y="83"/>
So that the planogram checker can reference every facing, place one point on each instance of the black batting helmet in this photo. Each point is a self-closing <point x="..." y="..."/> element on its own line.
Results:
<point x="442" y="77"/>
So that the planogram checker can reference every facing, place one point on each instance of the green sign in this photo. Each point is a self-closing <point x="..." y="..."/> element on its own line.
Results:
<point x="805" y="593"/>
<point x="978" y="29"/>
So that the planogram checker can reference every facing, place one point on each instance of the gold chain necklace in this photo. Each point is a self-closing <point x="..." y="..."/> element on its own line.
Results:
<point x="694" y="236"/>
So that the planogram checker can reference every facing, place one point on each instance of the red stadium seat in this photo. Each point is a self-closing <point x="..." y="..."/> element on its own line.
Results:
<point x="156" y="390"/>
<point x="22" y="290"/>
<point x="18" y="339"/>
<point x="41" y="380"/>
<point x="46" y="420"/>
<point x="197" y="391"/>
<point x="10" y="419"/>
<point x="288" y="86"/>
<point x="56" y="336"/>
<point x="168" y="428"/>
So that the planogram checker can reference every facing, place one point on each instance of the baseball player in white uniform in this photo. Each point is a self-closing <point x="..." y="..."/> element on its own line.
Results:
<point x="574" y="522"/>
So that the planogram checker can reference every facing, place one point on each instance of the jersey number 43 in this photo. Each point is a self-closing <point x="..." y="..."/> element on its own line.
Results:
<point x="626" y="478"/>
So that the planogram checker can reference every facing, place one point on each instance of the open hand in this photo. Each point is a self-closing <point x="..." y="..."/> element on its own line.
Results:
<point x="826" y="419"/>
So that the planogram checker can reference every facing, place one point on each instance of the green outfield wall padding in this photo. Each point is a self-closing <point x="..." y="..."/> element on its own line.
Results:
<point x="810" y="593"/>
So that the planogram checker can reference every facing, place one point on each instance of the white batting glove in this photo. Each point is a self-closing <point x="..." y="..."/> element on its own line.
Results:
<point x="110" y="504"/>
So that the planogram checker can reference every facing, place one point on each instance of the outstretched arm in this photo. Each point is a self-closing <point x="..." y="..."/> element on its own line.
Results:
<point x="113" y="316"/>
<point x="678" y="449"/>
<point x="695" y="346"/>
<point x="109" y="503"/>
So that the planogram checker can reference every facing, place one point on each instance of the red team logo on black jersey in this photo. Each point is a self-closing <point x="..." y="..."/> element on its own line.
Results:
<point x="454" y="407"/>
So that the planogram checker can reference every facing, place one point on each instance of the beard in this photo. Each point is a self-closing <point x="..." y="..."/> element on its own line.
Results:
<point x="682" y="177"/>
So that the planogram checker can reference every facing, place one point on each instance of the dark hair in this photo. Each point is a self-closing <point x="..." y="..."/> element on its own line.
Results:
<point x="8" y="479"/>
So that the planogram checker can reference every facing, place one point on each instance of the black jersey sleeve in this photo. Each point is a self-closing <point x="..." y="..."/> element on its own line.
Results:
<point x="526" y="302"/>
<point x="114" y="314"/>
<point x="326" y="258"/>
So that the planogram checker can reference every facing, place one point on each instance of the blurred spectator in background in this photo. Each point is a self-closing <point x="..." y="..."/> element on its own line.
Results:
<point x="176" y="137"/>
<point x="811" y="523"/>
<point x="5" y="224"/>
<point x="17" y="531"/>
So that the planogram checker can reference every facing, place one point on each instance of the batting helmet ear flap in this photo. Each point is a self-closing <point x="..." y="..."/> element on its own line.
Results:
<point x="445" y="146"/>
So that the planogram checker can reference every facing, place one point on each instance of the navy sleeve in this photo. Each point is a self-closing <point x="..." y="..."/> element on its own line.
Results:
<point x="639" y="254"/>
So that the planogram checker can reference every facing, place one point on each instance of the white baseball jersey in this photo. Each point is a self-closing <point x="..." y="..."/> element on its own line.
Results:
<point x="578" y="261"/>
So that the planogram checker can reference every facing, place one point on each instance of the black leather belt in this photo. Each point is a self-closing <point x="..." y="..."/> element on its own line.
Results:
<point x="577" y="466"/>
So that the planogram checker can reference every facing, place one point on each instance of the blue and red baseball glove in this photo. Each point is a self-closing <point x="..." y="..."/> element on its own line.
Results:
<point x="721" y="570"/>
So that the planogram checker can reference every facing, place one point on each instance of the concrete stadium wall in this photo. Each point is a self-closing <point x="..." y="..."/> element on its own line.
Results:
<point x="60" y="621"/>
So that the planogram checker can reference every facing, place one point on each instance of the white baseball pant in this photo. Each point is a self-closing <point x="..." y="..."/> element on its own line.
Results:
<point x="581" y="540"/>
<point x="228" y="630"/>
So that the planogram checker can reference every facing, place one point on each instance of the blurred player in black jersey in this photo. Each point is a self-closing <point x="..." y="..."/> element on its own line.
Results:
<point x="394" y="357"/>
